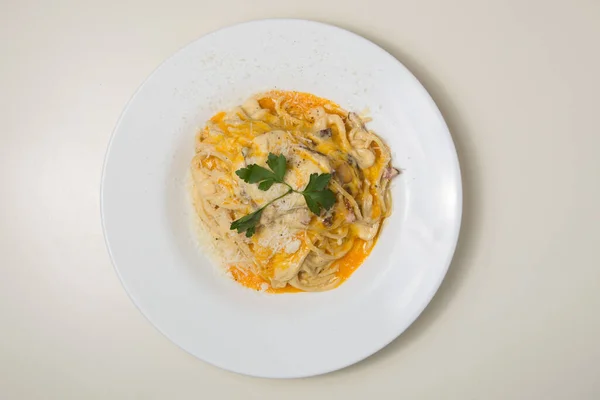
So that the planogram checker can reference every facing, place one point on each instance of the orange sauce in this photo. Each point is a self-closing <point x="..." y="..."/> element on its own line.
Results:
<point x="353" y="259"/>
<point x="297" y="103"/>
<point x="267" y="103"/>
<point x="255" y="282"/>
<point x="347" y="265"/>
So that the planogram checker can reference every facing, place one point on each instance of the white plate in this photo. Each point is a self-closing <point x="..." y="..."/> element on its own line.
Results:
<point x="147" y="218"/>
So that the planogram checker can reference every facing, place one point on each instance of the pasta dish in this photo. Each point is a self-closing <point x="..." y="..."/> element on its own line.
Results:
<point x="292" y="191"/>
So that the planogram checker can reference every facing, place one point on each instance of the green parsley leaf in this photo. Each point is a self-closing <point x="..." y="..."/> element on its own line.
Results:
<point x="315" y="194"/>
<point x="312" y="205"/>
<point x="316" y="201"/>
<point x="255" y="173"/>
<point x="266" y="185"/>
<point x="278" y="165"/>
<point x="317" y="182"/>
<point x="247" y="223"/>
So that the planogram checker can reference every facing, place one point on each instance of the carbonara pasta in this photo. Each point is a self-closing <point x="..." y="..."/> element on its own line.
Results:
<point x="290" y="248"/>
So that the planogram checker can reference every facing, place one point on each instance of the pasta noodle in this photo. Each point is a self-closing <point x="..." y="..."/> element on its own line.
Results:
<point x="292" y="248"/>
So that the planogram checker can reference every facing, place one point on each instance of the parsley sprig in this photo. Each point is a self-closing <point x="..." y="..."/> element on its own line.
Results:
<point x="316" y="194"/>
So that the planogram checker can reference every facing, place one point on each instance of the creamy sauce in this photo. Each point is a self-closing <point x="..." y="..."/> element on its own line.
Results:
<point x="292" y="245"/>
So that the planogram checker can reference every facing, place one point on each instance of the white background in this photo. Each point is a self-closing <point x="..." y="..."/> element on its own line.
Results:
<point x="518" y="316"/>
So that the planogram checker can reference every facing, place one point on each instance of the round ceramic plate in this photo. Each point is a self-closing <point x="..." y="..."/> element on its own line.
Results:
<point x="148" y="221"/>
